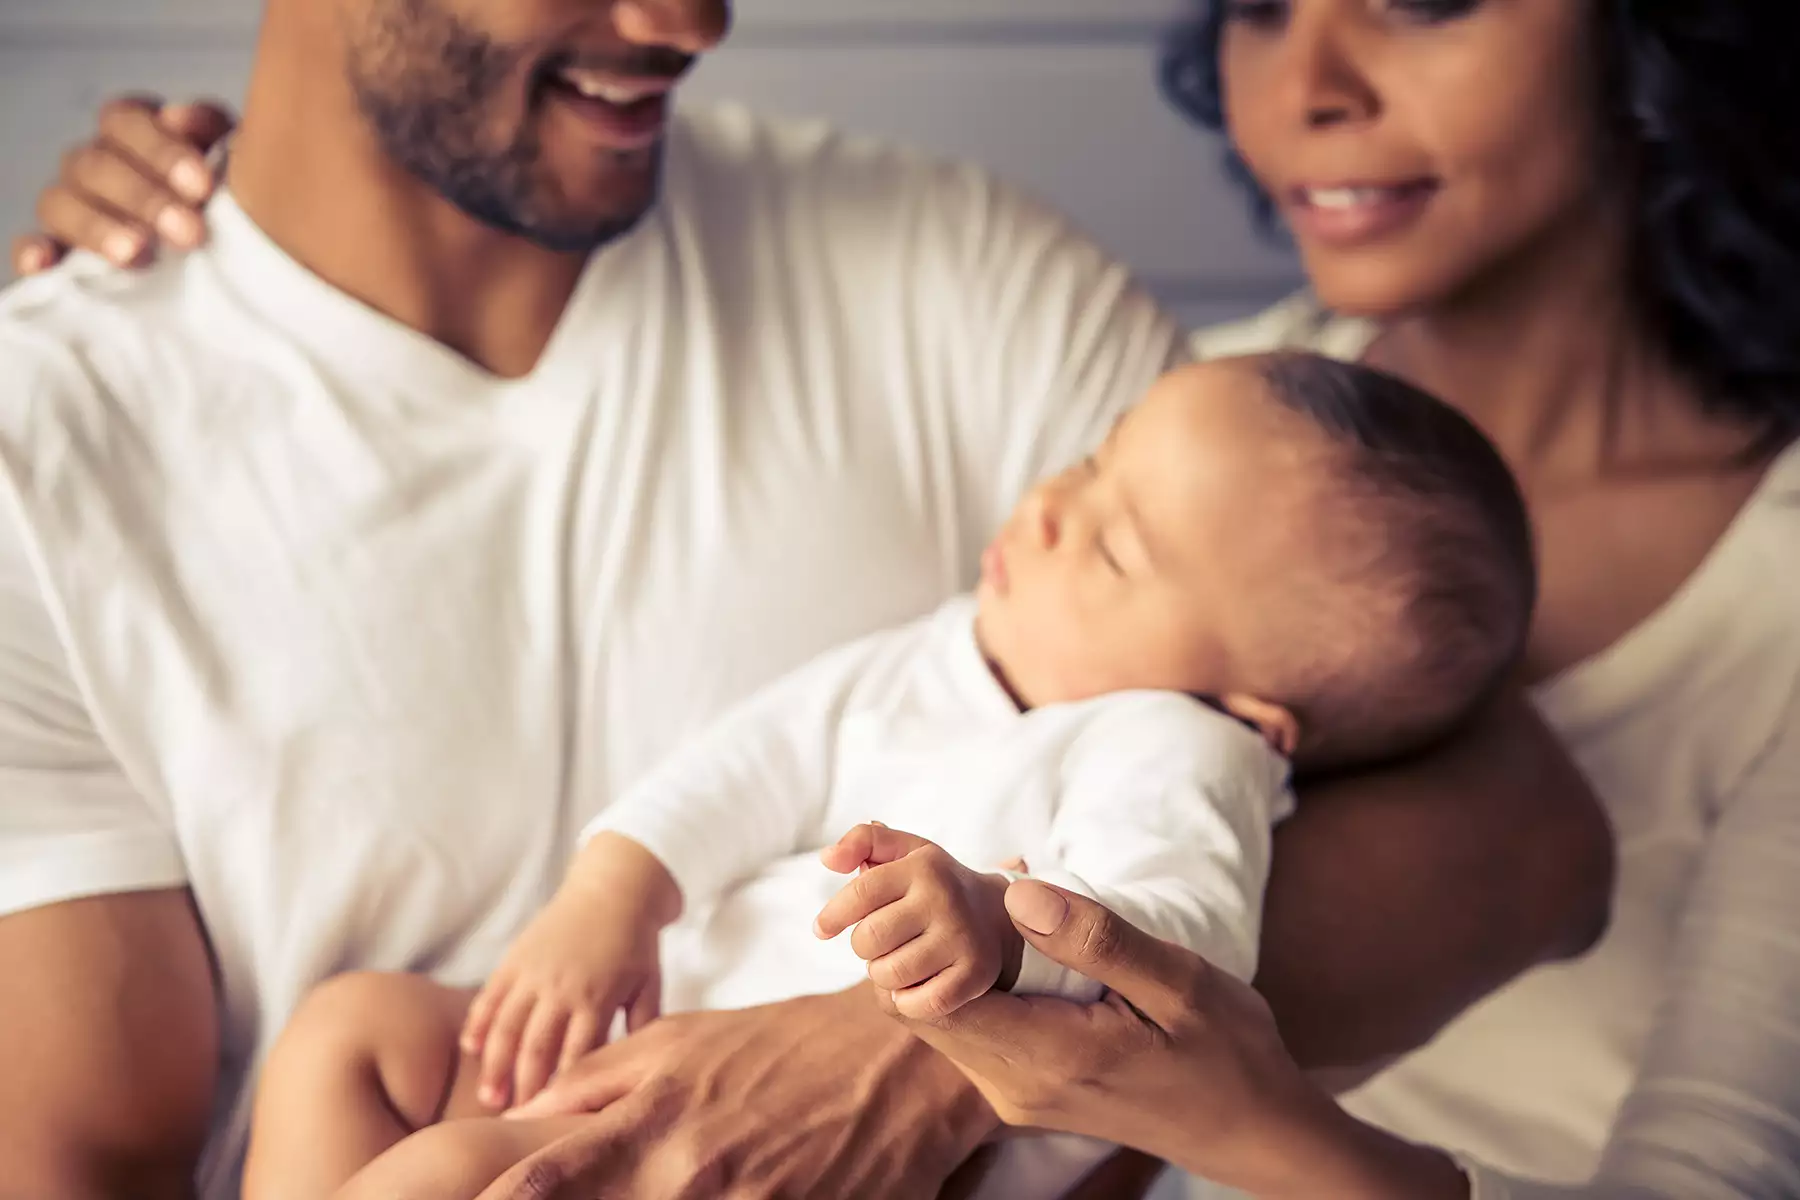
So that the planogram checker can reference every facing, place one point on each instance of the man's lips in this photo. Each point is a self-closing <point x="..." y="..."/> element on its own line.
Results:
<point x="622" y="110"/>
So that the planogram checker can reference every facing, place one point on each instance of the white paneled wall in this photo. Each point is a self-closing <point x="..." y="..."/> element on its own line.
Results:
<point x="1059" y="95"/>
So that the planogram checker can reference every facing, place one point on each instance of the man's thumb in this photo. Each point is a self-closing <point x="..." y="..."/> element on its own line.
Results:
<point x="1157" y="977"/>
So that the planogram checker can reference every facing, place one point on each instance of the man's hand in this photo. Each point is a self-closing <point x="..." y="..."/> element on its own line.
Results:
<point x="821" y="1096"/>
<point x="934" y="932"/>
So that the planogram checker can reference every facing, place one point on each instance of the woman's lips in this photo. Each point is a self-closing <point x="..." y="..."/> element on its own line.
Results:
<point x="1349" y="214"/>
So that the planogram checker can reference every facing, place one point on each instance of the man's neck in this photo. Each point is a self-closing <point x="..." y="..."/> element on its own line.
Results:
<point x="313" y="178"/>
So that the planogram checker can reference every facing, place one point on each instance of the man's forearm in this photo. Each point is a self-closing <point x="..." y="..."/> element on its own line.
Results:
<point x="1400" y="898"/>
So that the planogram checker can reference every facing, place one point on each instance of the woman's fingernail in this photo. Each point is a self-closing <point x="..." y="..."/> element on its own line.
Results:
<point x="122" y="248"/>
<point x="190" y="179"/>
<point x="1036" y="907"/>
<point x="179" y="226"/>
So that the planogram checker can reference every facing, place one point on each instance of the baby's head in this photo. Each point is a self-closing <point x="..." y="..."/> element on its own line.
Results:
<point x="1326" y="551"/>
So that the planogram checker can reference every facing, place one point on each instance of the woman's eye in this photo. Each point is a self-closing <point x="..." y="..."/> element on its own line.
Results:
<point x="1106" y="556"/>
<point x="1255" y="12"/>
<point x="1432" y="11"/>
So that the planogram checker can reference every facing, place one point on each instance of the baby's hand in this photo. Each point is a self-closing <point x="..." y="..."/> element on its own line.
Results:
<point x="933" y="932"/>
<point x="554" y="996"/>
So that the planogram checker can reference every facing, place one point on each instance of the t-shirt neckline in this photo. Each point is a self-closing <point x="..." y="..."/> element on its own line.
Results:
<point x="343" y="331"/>
<point x="1622" y="668"/>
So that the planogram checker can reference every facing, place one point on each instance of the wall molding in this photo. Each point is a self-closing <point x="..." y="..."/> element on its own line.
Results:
<point x="787" y="22"/>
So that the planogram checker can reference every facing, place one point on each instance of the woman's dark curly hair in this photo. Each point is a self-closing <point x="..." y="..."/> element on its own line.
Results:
<point x="1705" y="98"/>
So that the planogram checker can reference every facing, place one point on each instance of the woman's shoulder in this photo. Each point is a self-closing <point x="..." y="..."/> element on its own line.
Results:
<point x="1299" y="322"/>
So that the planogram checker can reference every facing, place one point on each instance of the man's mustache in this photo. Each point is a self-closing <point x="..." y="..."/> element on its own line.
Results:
<point x="646" y="63"/>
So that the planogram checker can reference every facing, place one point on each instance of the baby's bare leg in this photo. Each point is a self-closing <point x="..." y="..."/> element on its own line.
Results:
<point x="456" y="1160"/>
<point x="367" y="1060"/>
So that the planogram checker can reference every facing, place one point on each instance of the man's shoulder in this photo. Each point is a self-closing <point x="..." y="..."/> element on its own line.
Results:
<point x="820" y="180"/>
<point x="84" y="326"/>
<point x="98" y="368"/>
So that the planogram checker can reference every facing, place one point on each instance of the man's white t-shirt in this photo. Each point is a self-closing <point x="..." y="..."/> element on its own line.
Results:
<point x="304" y="612"/>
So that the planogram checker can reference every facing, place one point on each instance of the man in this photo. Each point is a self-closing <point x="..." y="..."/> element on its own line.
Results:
<point x="501" y="435"/>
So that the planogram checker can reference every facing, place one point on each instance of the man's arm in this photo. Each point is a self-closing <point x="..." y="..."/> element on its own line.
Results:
<point x="1399" y="898"/>
<point x="108" y="1037"/>
<point x="110" y="1040"/>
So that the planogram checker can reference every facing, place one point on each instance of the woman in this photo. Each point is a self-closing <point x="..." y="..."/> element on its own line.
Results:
<point x="1581" y="223"/>
<point x="1578" y="221"/>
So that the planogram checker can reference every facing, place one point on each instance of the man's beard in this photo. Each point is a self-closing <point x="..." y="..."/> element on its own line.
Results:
<point x="427" y="83"/>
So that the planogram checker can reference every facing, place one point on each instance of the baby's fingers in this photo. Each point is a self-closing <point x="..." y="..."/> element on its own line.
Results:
<point x="501" y="1048"/>
<point x="587" y="1030"/>
<point x="540" y="1048"/>
<point x="646" y="1006"/>
<point x="861" y="896"/>
<point x="480" y="1018"/>
<point x="850" y="851"/>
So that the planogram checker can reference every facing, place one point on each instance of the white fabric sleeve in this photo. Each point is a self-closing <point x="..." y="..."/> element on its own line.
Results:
<point x="1059" y="338"/>
<point x="71" y="824"/>
<point x="1167" y="817"/>
<point x="1715" y="1111"/>
<point x="754" y="785"/>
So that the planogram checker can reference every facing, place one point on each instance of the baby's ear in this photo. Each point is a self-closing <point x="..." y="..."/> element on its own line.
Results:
<point x="1277" y="725"/>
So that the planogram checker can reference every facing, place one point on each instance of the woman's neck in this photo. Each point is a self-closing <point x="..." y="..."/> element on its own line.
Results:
<point x="1551" y="358"/>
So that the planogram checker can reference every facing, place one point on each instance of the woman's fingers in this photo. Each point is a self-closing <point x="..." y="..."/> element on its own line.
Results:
<point x="1158" y="978"/>
<point x="202" y="124"/>
<point x="32" y="253"/>
<point x="141" y="179"/>
<point x="80" y="220"/>
<point x="139" y="130"/>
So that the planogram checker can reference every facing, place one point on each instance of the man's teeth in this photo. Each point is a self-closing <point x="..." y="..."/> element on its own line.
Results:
<point x="1347" y="197"/>
<point x="612" y="92"/>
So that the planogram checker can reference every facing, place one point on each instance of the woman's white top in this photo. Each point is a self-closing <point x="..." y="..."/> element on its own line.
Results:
<point x="1666" y="1063"/>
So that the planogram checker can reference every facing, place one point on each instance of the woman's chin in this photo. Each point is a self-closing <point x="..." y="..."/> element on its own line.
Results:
<point x="1375" y="286"/>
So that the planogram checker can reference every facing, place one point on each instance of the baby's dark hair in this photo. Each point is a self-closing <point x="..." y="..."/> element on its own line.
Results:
<point x="1433" y="536"/>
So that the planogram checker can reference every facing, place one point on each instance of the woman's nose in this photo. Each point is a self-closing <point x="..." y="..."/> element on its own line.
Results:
<point x="1320" y="75"/>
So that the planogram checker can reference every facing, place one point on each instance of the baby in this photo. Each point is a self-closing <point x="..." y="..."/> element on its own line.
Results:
<point x="1272" y="564"/>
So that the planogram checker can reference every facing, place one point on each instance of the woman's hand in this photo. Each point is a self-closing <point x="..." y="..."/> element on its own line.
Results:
<point x="1178" y="1060"/>
<point x="142" y="179"/>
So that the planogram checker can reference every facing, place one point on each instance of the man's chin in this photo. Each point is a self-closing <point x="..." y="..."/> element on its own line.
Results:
<point x="583" y="238"/>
